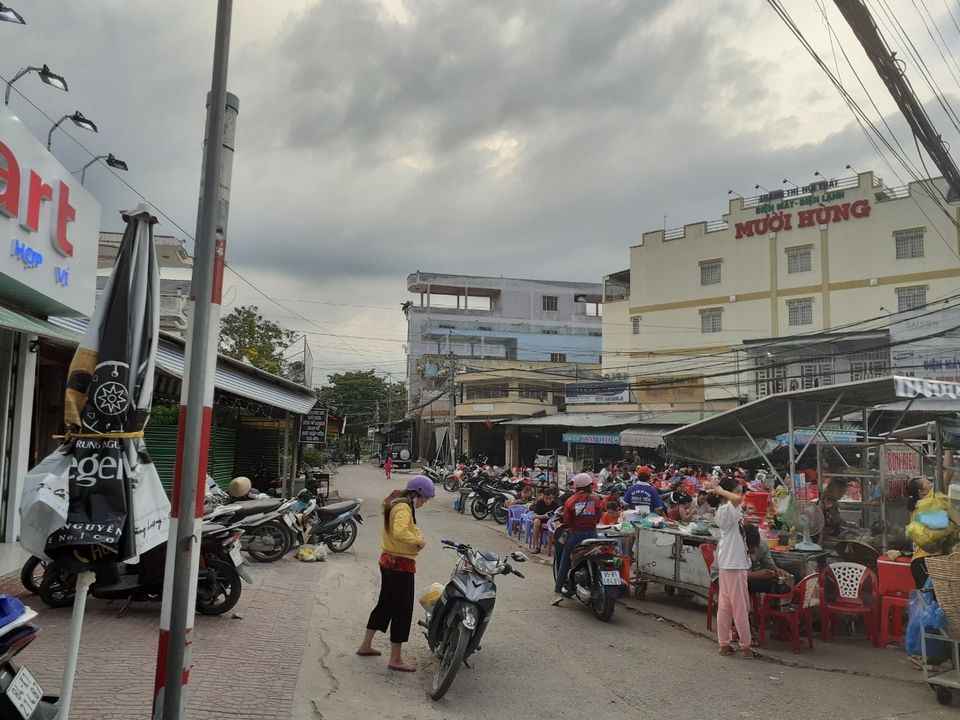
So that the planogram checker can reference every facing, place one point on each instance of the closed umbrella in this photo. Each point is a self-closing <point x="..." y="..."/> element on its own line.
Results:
<point x="98" y="497"/>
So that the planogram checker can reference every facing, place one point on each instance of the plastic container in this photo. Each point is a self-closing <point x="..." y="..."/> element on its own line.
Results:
<point x="755" y="504"/>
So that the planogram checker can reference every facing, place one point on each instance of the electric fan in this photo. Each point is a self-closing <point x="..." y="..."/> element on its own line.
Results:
<point x="810" y="520"/>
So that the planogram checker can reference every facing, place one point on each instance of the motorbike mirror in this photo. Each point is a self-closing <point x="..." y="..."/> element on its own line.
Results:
<point x="518" y="556"/>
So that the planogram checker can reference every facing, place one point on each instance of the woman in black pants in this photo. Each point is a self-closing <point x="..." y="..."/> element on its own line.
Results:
<point x="402" y="541"/>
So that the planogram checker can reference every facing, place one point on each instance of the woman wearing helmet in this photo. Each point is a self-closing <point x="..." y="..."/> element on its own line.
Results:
<point x="581" y="513"/>
<point x="401" y="542"/>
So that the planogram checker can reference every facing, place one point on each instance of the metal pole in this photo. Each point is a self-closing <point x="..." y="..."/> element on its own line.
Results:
<point x="84" y="581"/>
<point x="792" y="449"/>
<point x="452" y="429"/>
<point x="176" y="621"/>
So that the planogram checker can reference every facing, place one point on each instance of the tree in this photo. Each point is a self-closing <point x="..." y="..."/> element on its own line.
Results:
<point x="364" y="398"/>
<point x="245" y="333"/>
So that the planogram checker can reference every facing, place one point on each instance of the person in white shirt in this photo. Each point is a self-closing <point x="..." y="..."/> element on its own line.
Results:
<point x="733" y="606"/>
<point x="604" y="474"/>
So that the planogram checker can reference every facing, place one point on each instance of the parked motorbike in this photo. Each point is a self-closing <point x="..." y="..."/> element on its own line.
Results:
<point x="20" y="694"/>
<point x="337" y="526"/>
<point x="32" y="573"/>
<point x="454" y="479"/>
<point x="267" y="523"/>
<point x="594" y="577"/>
<point x="456" y="621"/>
<point x="218" y="578"/>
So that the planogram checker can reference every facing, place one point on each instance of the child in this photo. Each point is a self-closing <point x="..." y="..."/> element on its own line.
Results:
<point x="733" y="562"/>
<point x="612" y="515"/>
<point x="388" y="466"/>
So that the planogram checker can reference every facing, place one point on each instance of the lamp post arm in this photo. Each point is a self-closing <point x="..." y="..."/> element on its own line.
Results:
<point x="6" y="95"/>
<point x="83" y="172"/>
<point x="55" y="126"/>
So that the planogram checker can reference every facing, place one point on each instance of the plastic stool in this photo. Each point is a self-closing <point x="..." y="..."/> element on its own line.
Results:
<point x="897" y="605"/>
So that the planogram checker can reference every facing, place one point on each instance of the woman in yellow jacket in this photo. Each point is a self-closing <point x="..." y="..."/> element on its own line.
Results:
<point x="921" y="497"/>
<point x="402" y="541"/>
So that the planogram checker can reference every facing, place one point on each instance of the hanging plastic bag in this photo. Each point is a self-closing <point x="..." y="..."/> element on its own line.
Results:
<point x="45" y="501"/>
<point x="924" y="612"/>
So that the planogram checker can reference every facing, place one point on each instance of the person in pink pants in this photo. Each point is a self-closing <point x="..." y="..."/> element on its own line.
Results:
<point x="733" y="607"/>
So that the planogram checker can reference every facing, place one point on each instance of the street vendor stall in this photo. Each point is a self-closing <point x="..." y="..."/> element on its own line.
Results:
<point x="860" y="486"/>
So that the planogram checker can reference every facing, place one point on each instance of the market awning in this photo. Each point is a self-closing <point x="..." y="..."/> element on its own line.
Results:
<point x="35" y="326"/>
<point x="231" y="376"/>
<point x="768" y="417"/>
<point x="647" y="436"/>
<point x="582" y="420"/>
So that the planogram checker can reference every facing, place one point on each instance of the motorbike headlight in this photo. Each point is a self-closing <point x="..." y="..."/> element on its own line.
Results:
<point x="484" y="566"/>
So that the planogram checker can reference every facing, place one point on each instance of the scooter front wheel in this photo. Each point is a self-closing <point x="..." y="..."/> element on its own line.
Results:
<point x="31" y="575"/>
<point x="479" y="509"/>
<point x="451" y="483"/>
<point x="58" y="587"/>
<point x="450" y="661"/>
<point x="218" y="595"/>
<point x="500" y="513"/>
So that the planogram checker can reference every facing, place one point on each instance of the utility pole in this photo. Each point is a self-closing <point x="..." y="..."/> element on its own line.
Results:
<point x="452" y="429"/>
<point x="183" y="548"/>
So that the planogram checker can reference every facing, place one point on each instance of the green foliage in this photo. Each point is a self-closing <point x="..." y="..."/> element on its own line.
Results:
<point x="365" y="399"/>
<point x="245" y="333"/>
<point x="312" y="457"/>
<point x="164" y="414"/>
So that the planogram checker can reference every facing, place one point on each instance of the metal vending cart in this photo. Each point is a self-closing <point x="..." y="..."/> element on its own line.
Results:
<point x="944" y="683"/>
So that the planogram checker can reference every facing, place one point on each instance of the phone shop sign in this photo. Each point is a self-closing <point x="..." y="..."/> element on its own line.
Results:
<point x="49" y="228"/>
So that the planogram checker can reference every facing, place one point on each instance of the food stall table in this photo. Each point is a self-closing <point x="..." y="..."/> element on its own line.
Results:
<point x="671" y="557"/>
<point x="800" y="563"/>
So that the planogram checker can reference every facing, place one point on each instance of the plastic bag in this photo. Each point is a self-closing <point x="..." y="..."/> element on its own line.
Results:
<point x="930" y="539"/>
<point x="311" y="553"/>
<point x="934" y="519"/>
<point x="924" y="611"/>
<point x="45" y="501"/>
<point x="430" y="596"/>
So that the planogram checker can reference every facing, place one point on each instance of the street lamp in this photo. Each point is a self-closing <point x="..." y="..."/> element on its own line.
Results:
<point x="78" y="119"/>
<point x="8" y="14"/>
<point x="734" y="192"/>
<point x="50" y="78"/>
<point x="111" y="161"/>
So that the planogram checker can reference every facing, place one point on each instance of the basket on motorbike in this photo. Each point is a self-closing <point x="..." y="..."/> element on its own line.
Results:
<point x="430" y="596"/>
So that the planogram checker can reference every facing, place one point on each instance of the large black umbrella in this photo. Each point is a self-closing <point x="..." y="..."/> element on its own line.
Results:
<point x="100" y="484"/>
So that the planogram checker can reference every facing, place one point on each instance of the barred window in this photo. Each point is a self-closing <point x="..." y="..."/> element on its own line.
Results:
<point x="711" y="320"/>
<point x="635" y="322"/>
<point x="770" y="379"/>
<point x="710" y="272"/>
<point x="799" y="259"/>
<point x="909" y="243"/>
<point x="815" y="371"/>
<point x="550" y="303"/>
<point x="485" y="392"/>
<point x="869" y="365"/>
<point x="532" y="392"/>
<point x="558" y="357"/>
<point x="800" y="311"/>
<point x="911" y="298"/>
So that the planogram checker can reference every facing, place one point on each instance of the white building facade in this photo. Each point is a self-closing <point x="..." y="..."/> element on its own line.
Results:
<point x="815" y="259"/>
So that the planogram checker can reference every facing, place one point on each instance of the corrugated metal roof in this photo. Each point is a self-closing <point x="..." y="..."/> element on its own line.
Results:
<point x="583" y="419"/>
<point x="248" y="382"/>
<point x="35" y="326"/>
<point x="648" y="436"/>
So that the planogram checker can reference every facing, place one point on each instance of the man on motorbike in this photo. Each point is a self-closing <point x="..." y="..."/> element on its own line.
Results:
<point x="581" y="513"/>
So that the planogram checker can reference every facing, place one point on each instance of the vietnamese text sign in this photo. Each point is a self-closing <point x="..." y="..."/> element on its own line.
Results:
<point x="597" y="393"/>
<point x="313" y="429"/>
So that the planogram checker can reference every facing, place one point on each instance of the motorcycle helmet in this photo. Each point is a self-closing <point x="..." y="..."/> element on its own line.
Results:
<point x="582" y="480"/>
<point x="239" y="487"/>
<point x="681" y="498"/>
<point x="422" y="485"/>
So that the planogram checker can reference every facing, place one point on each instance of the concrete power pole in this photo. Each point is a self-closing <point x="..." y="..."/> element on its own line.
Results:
<point x="452" y="429"/>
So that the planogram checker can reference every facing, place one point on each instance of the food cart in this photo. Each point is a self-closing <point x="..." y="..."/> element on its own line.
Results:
<point x="672" y="557"/>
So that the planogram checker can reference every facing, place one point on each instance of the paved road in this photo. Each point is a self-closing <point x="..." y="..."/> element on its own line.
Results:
<point x="540" y="661"/>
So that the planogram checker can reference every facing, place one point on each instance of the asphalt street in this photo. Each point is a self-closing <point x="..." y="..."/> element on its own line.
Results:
<point x="542" y="661"/>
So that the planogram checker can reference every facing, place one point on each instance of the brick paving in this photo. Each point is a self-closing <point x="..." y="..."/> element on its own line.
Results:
<point x="244" y="667"/>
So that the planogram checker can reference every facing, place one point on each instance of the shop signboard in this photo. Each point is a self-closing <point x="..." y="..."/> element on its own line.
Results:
<point x="671" y="389"/>
<point x="313" y="429"/>
<point x="597" y="393"/>
<point x="51" y="225"/>
<point x="924" y="344"/>
<point x="592" y="438"/>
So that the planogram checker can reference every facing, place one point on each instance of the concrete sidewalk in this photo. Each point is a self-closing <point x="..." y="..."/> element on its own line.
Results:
<point x="843" y="655"/>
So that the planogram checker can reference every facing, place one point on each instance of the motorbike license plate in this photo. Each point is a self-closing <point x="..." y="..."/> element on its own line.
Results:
<point x="288" y="519"/>
<point x="610" y="577"/>
<point x="235" y="555"/>
<point x="24" y="693"/>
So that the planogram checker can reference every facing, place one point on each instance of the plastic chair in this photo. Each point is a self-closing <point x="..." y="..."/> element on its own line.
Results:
<point x="894" y="582"/>
<point x="794" y="607"/>
<point x="515" y="515"/>
<point x="709" y="552"/>
<point x="850" y="582"/>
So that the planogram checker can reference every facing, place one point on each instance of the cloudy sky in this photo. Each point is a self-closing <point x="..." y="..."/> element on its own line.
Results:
<point x="495" y="137"/>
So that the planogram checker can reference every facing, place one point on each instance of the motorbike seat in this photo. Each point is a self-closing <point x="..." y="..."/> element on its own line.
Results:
<point x="246" y="508"/>
<point x="334" y="509"/>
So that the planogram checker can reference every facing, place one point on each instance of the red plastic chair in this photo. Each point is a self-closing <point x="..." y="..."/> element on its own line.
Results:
<point x="854" y="588"/>
<point x="709" y="552"/>
<point x="895" y="581"/>
<point x="795" y="607"/>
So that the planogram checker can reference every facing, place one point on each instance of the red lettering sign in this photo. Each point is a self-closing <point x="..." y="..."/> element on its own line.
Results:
<point x="823" y="215"/>
<point x="24" y="188"/>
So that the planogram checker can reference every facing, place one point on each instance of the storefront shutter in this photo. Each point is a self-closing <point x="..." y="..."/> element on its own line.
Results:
<point x="162" y="445"/>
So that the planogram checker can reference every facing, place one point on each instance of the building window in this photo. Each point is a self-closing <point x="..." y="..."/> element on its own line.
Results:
<point x="911" y="298"/>
<point x="711" y="320"/>
<point x="770" y="379"/>
<point x="558" y="357"/>
<point x="488" y="392"/>
<point x="550" y="303"/>
<point x="909" y="243"/>
<point x="710" y="272"/>
<point x="635" y="323"/>
<point x="510" y="353"/>
<point x="869" y="365"/>
<point x="799" y="259"/>
<point x="532" y="392"/>
<point x="800" y="312"/>
<point x="815" y="370"/>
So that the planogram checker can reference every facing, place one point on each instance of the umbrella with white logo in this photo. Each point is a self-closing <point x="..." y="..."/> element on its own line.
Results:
<point x="98" y="499"/>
